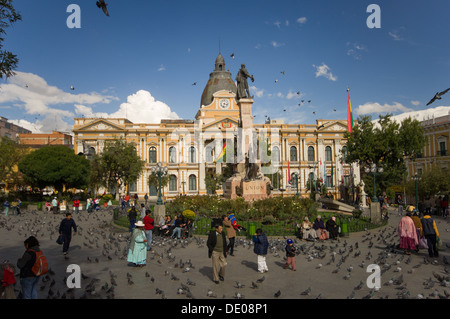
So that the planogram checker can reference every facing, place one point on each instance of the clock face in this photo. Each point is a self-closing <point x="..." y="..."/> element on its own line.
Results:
<point x="224" y="103"/>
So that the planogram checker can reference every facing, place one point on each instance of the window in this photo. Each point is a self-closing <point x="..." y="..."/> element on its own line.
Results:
<point x="328" y="154"/>
<point x="132" y="187"/>
<point x="209" y="154"/>
<point x="172" y="154"/>
<point x="192" y="154"/>
<point x="311" y="154"/>
<point x="344" y="154"/>
<point x="442" y="150"/>
<point x="329" y="182"/>
<point x="173" y="183"/>
<point x="192" y="182"/>
<point x="293" y="152"/>
<point x="152" y="155"/>
<point x="91" y="153"/>
<point x="275" y="154"/>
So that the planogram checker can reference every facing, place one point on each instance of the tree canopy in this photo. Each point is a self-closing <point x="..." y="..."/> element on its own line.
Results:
<point x="56" y="166"/>
<point x="8" y="16"/>
<point x="117" y="165"/>
<point x="386" y="143"/>
<point x="10" y="155"/>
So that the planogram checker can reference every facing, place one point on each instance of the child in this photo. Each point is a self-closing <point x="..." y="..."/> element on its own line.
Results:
<point x="290" y="254"/>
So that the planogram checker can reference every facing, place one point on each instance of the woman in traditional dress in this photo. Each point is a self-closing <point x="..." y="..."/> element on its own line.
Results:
<point x="137" y="253"/>
<point x="308" y="229"/>
<point x="319" y="227"/>
<point x="408" y="234"/>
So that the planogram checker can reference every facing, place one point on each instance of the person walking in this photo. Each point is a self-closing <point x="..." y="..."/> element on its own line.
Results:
<point x="290" y="255"/>
<point x="217" y="251"/>
<point x="231" y="234"/>
<point x="28" y="280"/>
<point x="65" y="230"/>
<point x="260" y="249"/>
<point x="6" y="207"/>
<point x="137" y="252"/>
<point x="431" y="233"/>
<point x="132" y="217"/>
<point x="408" y="234"/>
<point x="400" y="205"/>
<point x="149" y="223"/>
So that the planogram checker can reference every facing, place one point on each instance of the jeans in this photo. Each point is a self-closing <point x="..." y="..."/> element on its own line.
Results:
<point x="66" y="244"/>
<point x="132" y="224"/>
<point x="432" y="247"/>
<point x="231" y="245"/>
<point x="176" y="231"/>
<point x="29" y="287"/>
<point x="149" y="234"/>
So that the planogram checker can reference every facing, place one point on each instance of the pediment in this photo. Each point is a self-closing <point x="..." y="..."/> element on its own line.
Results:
<point x="224" y="123"/>
<point x="100" y="125"/>
<point x="334" y="126"/>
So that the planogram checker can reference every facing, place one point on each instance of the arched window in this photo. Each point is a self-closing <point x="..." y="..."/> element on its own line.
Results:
<point x="311" y="154"/>
<point x="293" y="152"/>
<point x="152" y="155"/>
<point x="91" y="153"/>
<point x="192" y="154"/>
<point x="172" y="154"/>
<point x="275" y="154"/>
<point x="173" y="183"/>
<point x="192" y="182"/>
<point x="328" y="154"/>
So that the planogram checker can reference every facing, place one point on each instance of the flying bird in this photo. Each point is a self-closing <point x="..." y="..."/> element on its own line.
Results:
<point x="102" y="4"/>
<point x="72" y="88"/>
<point x="195" y="83"/>
<point x="438" y="96"/>
<point x="232" y="55"/>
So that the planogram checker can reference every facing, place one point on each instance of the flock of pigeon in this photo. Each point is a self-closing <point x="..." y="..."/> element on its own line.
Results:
<point x="179" y="268"/>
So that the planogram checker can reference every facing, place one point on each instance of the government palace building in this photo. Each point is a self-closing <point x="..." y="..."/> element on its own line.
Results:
<point x="189" y="147"/>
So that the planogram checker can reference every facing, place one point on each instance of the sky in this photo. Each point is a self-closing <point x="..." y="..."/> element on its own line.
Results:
<point x="141" y="62"/>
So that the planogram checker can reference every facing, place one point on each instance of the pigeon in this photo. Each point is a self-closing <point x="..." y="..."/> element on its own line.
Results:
<point x="277" y="294"/>
<point x="438" y="96"/>
<point x="260" y="280"/>
<point x="239" y="285"/>
<point x="102" y="4"/>
<point x="211" y="294"/>
<point x="238" y="295"/>
<point x="361" y="284"/>
<point x="253" y="286"/>
<point x="307" y="292"/>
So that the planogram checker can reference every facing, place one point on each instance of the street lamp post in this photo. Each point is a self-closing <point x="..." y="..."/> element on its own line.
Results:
<point x="374" y="169"/>
<point x="160" y="171"/>
<point x="295" y="177"/>
<point x="416" y="178"/>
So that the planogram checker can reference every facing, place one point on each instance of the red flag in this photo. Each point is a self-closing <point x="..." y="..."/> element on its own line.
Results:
<point x="349" y="114"/>
<point x="289" y="172"/>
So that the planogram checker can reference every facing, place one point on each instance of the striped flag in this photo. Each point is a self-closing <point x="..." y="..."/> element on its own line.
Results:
<point x="221" y="157"/>
<point x="349" y="113"/>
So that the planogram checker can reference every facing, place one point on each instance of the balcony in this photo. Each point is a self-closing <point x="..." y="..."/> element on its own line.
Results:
<point x="442" y="153"/>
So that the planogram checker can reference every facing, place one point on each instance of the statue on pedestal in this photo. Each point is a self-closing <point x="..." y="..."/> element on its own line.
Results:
<point x="362" y="194"/>
<point x="242" y="85"/>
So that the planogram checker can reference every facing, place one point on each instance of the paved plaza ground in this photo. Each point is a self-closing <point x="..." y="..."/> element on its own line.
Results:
<point x="100" y="251"/>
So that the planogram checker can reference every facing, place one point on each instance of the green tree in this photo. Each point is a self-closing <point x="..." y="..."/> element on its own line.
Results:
<point x="56" y="166"/>
<point x="8" y="16"/>
<point x="385" y="143"/>
<point x="118" y="165"/>
<point x="431" y="182"/>
<point x="10" y="155"/>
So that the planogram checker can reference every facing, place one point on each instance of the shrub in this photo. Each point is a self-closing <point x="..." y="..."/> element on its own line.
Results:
<point x="188" y="214"/>
<point x="356" y="213"/>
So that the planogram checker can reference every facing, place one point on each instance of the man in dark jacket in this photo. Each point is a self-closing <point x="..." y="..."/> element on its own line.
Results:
<point x="28" y="280"/>
<point x="260" y="249"/>
<point x="65" y="230"/>
<point x="217" y="250"/>
<point x="431" y="233"/>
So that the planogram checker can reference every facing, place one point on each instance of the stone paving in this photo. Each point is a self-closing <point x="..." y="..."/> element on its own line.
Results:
<point x="100" y="251"/>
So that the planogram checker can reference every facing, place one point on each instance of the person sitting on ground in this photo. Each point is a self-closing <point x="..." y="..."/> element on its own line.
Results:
<point x="319" y="227"/>
<point x="332" y="228"/>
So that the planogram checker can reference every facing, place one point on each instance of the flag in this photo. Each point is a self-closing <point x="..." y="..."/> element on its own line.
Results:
<point x="289" y="172"/>
<point x="221" y="157"/>
<point x="325" y="173"/>
<point x="349" y="114"/>
<point x="331" y="175"/>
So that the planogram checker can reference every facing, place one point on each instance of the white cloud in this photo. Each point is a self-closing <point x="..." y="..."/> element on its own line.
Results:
<point x="277" y="24"/>
<point x="257" y="92"/>
<point x="324" y="70"/>
<point x="161" y="68"/>
<point x="291" y="95"/>
<point x="281" y="95"/>
<point x="370" y="108"/>
<point x="276" y="44"/>
<point x="396" y="34"/>
<point x="426" y="114"/>
<point x="302" y="20"/>
<point x="355" y="50"/>
<point x="415" y="103"/>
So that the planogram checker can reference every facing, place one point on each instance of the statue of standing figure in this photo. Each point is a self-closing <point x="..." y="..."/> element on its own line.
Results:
<point x="242" y="85"/>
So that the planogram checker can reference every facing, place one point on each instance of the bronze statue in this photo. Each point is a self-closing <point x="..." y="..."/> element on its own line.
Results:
<point x="242" y="85"/>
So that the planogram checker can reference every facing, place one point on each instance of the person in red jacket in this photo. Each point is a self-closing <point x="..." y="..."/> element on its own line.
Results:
<point x="149" y="223"/>
<point x="76" y="205"/>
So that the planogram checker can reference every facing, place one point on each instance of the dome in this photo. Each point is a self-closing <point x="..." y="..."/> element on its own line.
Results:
<point x="219" y="80"/>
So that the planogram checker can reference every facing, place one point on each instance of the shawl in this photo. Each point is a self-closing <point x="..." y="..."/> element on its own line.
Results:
<point x="136" y="233"/>
<point x="406" y="228"/>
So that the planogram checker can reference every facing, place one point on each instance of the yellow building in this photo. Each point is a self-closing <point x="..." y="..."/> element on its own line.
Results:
<point x="189" y="147"/>
<point x="435" y="152"/>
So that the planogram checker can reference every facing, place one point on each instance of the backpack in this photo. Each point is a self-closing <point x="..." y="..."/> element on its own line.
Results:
<point x="40" y="266"/>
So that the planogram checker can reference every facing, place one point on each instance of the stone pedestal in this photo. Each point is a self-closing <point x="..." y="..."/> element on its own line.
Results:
<point x="375" y="213"/>
<point x="158" y="213"/>
<point x="249" y="190"/>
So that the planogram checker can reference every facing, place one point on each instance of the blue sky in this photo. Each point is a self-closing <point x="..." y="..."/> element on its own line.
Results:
<point x="145" y="56"/>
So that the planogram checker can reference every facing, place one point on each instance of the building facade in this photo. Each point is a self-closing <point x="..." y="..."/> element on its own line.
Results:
<point x="436" y="151"/>
<point x="189" y="148"/>
<point x="42" y="139"/>
<point x="11" y="130"/>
